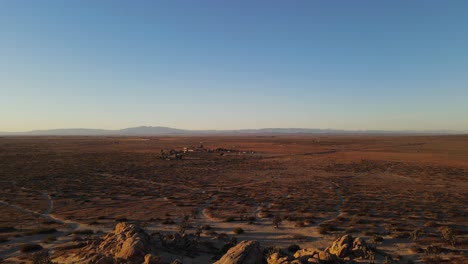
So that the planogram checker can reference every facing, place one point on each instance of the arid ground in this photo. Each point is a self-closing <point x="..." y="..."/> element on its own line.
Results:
<point x="406" y="194"/>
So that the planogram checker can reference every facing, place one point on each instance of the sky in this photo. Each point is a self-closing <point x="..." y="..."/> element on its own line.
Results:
<point x="356" y="65"/>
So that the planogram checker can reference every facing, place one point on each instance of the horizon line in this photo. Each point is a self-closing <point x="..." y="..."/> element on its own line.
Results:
<point x="451" y="131"/>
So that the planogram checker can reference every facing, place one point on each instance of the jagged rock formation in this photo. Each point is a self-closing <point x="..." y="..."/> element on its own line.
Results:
<point x="246" y="252"/>
<point x="347" y="246"/>
<point x="278" y="258"/>
<point x="128" y="244"/>
<point x="343" y="250"/>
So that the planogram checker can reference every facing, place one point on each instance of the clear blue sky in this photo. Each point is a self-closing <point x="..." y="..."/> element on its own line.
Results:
<point x="234" y="64"/>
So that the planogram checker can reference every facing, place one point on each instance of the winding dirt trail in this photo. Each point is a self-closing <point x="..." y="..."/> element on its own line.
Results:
<point x="338" y="206"/>
<point x="264" y="231"/>
<point x="70" y="225"/>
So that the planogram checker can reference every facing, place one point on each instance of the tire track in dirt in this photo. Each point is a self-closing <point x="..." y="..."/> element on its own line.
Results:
<point x="338" y="206"/>
<point x="70" y="225"/>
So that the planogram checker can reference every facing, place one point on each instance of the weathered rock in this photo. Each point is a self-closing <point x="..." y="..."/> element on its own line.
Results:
<point x="347" y="246"/>
<point x="128" y="243"/>
<point x="246" y="252"/>
<point x="326" y="257"/>
<point x="342" y="246"/>
<point x="306" y="252"/>
<point x="359" y="252"/>
<point x="151" y="259"/>
<point x="277" y="258"/>
<point x="101" y="259"/>
<point x="359" y="248"/>
<point x="359" y="242"/>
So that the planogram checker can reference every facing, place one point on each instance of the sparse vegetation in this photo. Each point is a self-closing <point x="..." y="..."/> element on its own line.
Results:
<point x="30" y="248"/>
<point x="277" y="221"/>
<point x="293" y="248"/>
<point x="238" y="230"/>
<point x="449" y="235"/>
<point x="42" y="257"/>
<point x="370" y="188"/>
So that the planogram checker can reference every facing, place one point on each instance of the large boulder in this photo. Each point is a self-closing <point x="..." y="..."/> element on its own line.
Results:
<point x="342" y="246"/>
<point x="326" y="257"/>
<point x="306" y="252"/>
<point x="277" y="258"/>
<point x="246" y="252"/>
<point x="128" y="244"/>
<point x="347" y="246"/>
<point x="151" y="259"/>
<point x="359" y="248"/>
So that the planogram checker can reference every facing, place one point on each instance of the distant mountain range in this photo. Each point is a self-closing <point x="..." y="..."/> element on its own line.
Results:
<point x="167" y="131"/>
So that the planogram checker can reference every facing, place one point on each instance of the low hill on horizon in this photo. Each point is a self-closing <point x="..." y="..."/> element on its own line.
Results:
<point x="168" y="131"/>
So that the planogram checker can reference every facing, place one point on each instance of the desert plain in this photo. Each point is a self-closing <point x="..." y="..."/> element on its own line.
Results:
<point x="407" y="196"/>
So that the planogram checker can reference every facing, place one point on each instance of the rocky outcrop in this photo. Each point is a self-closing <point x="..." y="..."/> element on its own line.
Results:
<point x="130" y="244"/>
<point x="306" y="253"/>
<point x="246" y="252"/>
<point x="127" y="244"/>
<point x="347" y="246"/>
<point x="343" y="250"/>
<point x="277" y="258"/>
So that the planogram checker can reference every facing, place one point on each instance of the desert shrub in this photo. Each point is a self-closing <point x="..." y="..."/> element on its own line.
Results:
<point x="416" y="234"/>
<point x="299" y="224"/>
<point x="42" y="257"/>
<point x="356" y="220"/>
<point x="182" y="227"/>
<point x="238" y="230"/>
<point x="49" y="239"/>
<point x="350" y="230"/>
<point x="290" y="217"/>
<point x="7" y="229"/>
<point x="389" y="260"/>
<point x="415" y="249"/>
<point x="76" y="238"/>
<point x="83" y="232"/>
<point x="448" y="235"/>
<point x="400" y="235"/>
<point x="293" y="248"/>
<point x="342" y="218"/>
<point x="229" y="219"/>
<point x="267" y="252"/>
<point x="168" y="221"/>
<point x="42" y="231"/>
<point x="206" y="227"/>
<point x="222" y="236"/>
<point x="30" y="248"/>
<point x="210" y="232"/>
<point x="325" y="228"/>
<point x="377" y="238"/>
<point x="277" y="221"/>
<point x="431" y="224"/>
<point x="299" y="237"/>
<point x="432" y="260"/>
<point x="369" y="232"/>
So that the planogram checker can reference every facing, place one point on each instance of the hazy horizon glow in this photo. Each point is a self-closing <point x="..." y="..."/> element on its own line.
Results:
<point x="354" y="65"/>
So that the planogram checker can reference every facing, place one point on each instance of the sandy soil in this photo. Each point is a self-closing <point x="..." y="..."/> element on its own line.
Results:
<point x="321" y="186"/>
